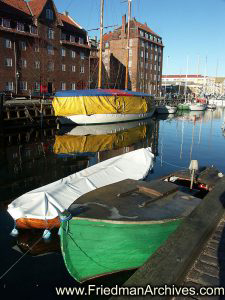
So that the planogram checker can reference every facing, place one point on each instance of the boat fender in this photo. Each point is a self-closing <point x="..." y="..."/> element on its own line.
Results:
<point x="220" y="175"/>
<point x="14" y="232"/>
<point x="46" y="234"/>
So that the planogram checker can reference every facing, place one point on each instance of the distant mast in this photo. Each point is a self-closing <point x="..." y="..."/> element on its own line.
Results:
<point x="128" y="44"/>
<point x="100" y="49"/>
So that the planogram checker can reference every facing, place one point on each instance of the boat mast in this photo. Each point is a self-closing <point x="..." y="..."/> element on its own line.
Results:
<point x="100" y="49"/>
<point x="185" y="90"/>
<point x="128" y="43"/>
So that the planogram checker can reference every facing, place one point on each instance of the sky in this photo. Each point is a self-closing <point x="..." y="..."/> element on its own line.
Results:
<point x="193" y="31"/>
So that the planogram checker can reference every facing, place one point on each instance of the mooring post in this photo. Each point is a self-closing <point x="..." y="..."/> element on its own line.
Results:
<point x="2" y="99"/>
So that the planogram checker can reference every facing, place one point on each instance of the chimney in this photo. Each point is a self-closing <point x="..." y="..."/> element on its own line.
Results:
<point x="124" y="24"/>
<point x="66" y="13"/>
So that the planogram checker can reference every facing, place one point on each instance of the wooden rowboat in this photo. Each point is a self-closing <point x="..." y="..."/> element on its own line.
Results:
<point x="119" y="226"/>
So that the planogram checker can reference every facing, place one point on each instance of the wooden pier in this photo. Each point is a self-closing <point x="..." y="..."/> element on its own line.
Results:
<point x="26" y="112"/>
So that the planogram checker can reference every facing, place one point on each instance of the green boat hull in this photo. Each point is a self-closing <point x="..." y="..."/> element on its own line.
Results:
<point x="183" y="106"/>
<point x="92" y="248"/>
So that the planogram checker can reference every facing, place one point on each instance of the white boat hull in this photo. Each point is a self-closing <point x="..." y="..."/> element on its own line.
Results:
<point x="103" y="118"/>
<point x="217" y="102"/>
<point x="166" y="109"/>
<point x="197" y="107"/>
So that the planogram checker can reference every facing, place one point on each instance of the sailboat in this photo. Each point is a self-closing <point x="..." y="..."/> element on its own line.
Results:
<point x="103" y="106"/>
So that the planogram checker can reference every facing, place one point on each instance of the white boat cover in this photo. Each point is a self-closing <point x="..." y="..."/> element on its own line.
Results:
<point x="48" y="201"/>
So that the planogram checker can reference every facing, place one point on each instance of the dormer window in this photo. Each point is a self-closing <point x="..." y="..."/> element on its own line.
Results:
<point x="6" y="23"/>
<point x="20" y="26"/>
<point x="49" y="14"/>
<point x="81" y="41"/>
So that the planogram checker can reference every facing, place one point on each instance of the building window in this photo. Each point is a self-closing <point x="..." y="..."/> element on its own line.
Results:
<point x="23" y="63"/>
<point x="81" y="41"/>
<point x="73" y="86"/>
<point x="63" y="52"/>
<point x="142" y="64"/>
<point x="146" y="35"/>
<point x="9" y="86"/>
<point x="130" y="43"/>
<point x="155" y="57"/>
<point x="63" y="86"/>
<point x="23" y="45"/>
<point x="23" y="85"/>
<point x="73" y="68"/>
<point x="73" y="53"/>
<point x="20" y="26"/>
<point x="142" y="53"/>
<point x="159" y="68"/>
<point x="81" y="55"/>
<point x="142" y="43"/>
<point x="50" y="66"/>
<point x="72" y="39"/>
<point x="156" y="48"/>
<point x="37" y="86"/>
<point x="150" y="66"/>
<point x="82" y="69"/>
<point x="130" y="52"/>
<point x="146" y="54"/>
<point x="151" y="37"/>
<point x="49" y="14"/>
<point x="36" y="48"/>
<point x="50" y="34"/>
<point x="6" y="23"/>
<point x="8" y="62"/>
<point x="130" y="64"/>
<point x="141" y="33"/>
<point x="158" y="77"/>
<point x="146" y="66"/>
<point x="37" y="64"/>
<point x="63" y="67"/>
<point x="33" y="29"/>
<point x="159" y="58"/>
<point x="107" y="45"/>
<point x="154" y="77"/>
<point x="63" y="36"/>
<point x="151" y="56"/>
<point x="7" y="43"/>
<point x="50" y="49"/>
<point x="146" y="45"/>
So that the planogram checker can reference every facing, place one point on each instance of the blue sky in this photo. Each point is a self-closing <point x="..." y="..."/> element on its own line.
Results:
<point x="193" y="29"/>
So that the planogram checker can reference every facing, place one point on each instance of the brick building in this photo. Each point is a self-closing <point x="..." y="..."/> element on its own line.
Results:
<point x="145" y="57"/>
<point x="41" y="49"/>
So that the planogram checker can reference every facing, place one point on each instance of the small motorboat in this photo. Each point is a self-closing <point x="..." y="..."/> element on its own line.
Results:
<point x="166" y="109"/>
<point x="184" y="106"/>
<point x="211" y="106"/>
<point x="197" y="106"/>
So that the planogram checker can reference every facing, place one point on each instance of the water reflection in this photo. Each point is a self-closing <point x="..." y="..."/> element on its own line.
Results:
<point x="106" y="141"/>
<point x="33" y="158"/>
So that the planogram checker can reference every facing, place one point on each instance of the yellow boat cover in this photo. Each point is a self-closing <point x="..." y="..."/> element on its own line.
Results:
<point x="89" y="105"/>
<point x="95" y="143"/>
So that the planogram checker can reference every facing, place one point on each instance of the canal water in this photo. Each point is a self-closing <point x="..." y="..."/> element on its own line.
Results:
<point x="30" y="159"/>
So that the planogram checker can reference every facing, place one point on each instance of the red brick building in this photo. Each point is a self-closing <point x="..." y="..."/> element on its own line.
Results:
<point x="145" y="57"/>
<point x="41" y="49"/>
